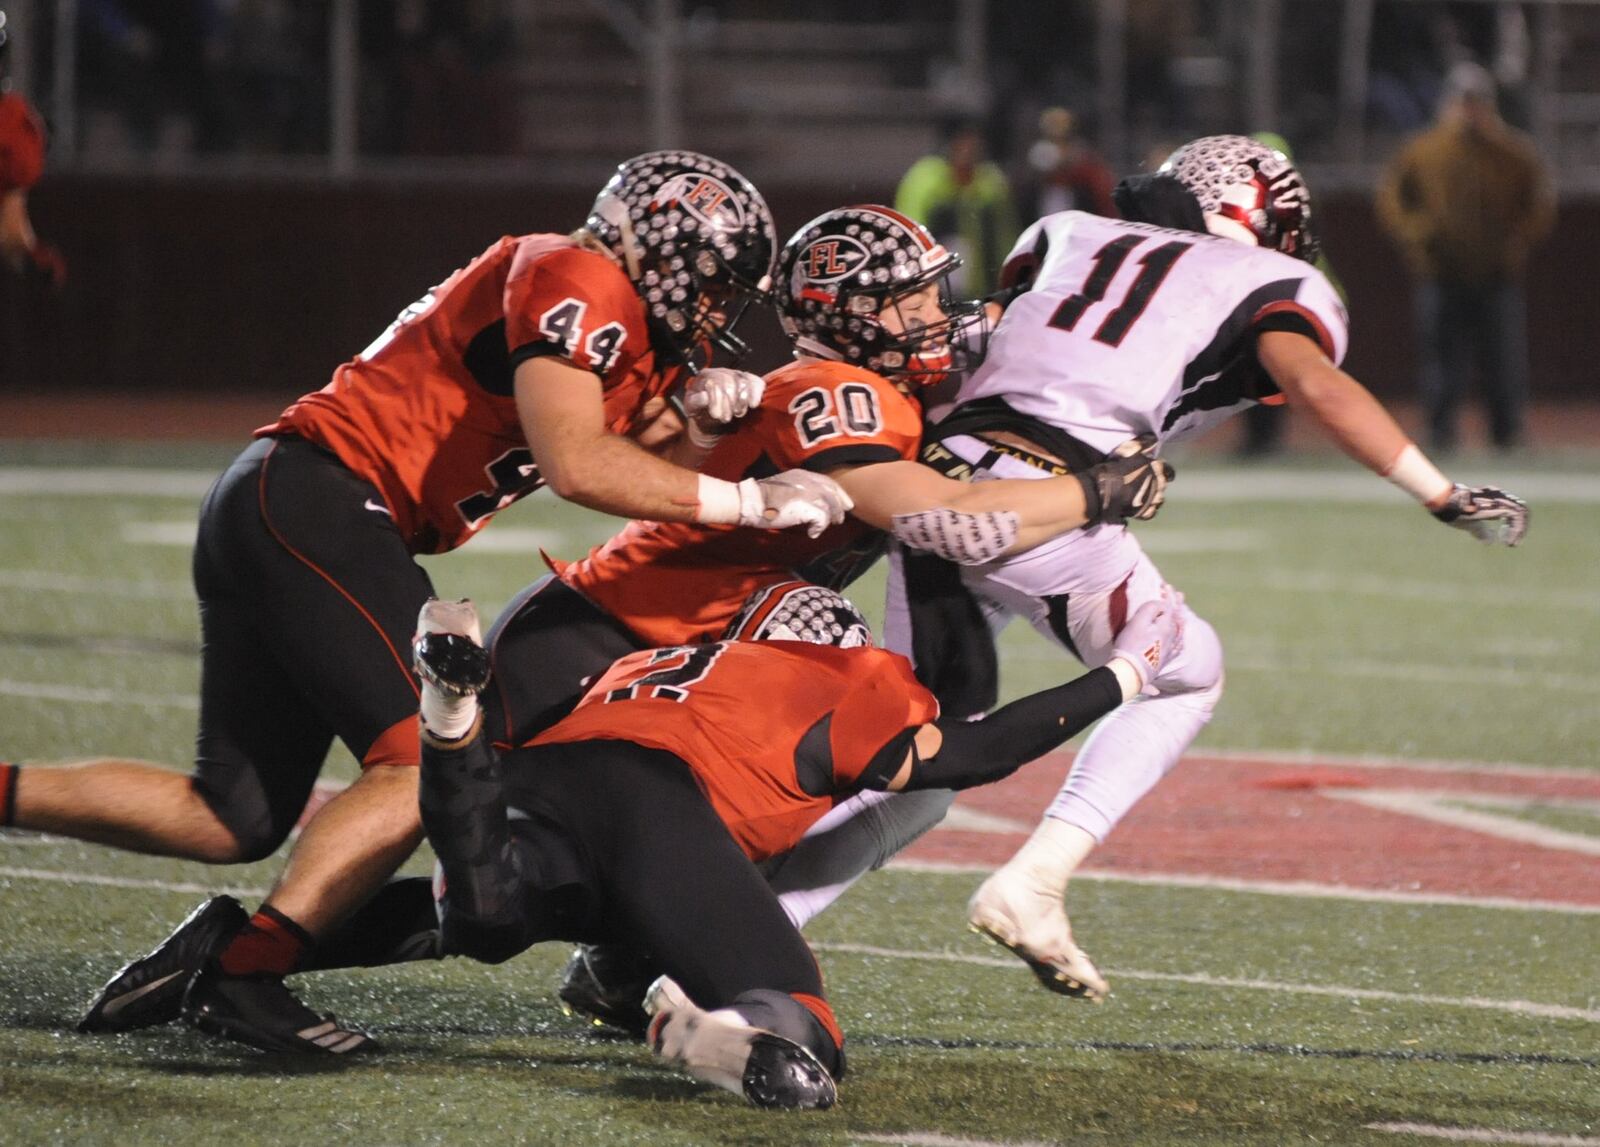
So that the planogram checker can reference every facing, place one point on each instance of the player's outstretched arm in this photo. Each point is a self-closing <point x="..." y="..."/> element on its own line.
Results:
<point x="562" y="411"/>
<point x="1361" y="427"/>
<point x="975" y="522"/>
<point x="956" y="754"/>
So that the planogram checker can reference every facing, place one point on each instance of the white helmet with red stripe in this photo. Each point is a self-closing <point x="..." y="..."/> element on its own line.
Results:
<point x="842" y="271"/>
<point x="1247" y="191"/>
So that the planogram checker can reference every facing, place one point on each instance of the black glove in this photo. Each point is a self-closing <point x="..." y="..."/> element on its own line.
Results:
<point x="1131" y="483"/>
<point x="1492" y="516"/>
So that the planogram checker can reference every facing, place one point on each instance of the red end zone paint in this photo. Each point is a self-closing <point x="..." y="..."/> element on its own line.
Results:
<point x="1267" y="821"/>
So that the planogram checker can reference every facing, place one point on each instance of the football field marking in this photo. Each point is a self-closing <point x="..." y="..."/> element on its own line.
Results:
<point x="52" y="581"/>
<point x="1486" y="1135"/>
<point x="1438" y="807"/>
<point x="1515" y="1007"/>
<point x="934" y="1139"/>
<point x="76" y="695"/>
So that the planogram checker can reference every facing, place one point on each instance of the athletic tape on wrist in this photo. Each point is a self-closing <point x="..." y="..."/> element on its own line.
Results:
<point x="1413" y="473"/>
<point x="720" y="502"/>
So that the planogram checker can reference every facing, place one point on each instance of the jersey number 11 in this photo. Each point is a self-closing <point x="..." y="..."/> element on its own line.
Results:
<point x="1153" y="267"/>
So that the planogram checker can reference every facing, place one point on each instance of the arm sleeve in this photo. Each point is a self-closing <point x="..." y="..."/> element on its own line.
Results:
<point x="464" y="814"/>
<point x="992" y="748"/>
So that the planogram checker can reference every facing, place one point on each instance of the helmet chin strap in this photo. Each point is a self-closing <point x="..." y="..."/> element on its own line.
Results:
<point x="1226" y="228"/>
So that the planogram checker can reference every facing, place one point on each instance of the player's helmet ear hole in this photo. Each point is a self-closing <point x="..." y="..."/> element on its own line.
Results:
<point x="685" y="225"/>
<point x="1247" y="191"/>
<point x="840" y="272"/>
<point x="800" y="611"/>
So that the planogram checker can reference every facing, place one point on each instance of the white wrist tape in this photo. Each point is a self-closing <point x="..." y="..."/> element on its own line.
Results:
<point x="1128" y="676"/>
<point x="720" y="502"/>
<point x="1414" y="474"/>
<point x="968" y="539"/>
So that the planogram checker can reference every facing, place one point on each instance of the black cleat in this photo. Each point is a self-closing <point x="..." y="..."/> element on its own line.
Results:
<point x="606" y="984"/>
<point x="262" y="1012"/>
<point x="150" y="990"/>
<point x="781" y="1073"/>
<point x="447" y="651"/>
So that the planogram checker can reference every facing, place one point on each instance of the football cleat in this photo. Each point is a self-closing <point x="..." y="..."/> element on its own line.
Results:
<point x="447" y="651"/>
<point x="150" y="990"/>
<point x="1032" y="925"/>
<point x="720" y="1048"/>
<point x="263" y="1013"/>
<point x="606" y="984"/>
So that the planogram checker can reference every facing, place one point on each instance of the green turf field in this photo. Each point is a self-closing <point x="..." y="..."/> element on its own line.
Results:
<point x="1354" y="627"/>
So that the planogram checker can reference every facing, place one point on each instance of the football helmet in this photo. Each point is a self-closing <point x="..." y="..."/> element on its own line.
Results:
<point x="800" y="611"/>
<point x="1247" y="191"/>
<point x="843" y="270"/>
<point x="698" y="242"/>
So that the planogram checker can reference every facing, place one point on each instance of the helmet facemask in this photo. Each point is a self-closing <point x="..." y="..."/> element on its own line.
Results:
<point x="858" y="285"/>
<point x="696" y="239"/>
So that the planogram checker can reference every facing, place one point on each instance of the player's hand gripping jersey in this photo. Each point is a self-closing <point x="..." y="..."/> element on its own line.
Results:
<point x="427" y="412"/>
<point x="673" y="582"/>
<point x="779" y="731"/>
<point x="21" y="144"/>
<point x="1131" y="329"/>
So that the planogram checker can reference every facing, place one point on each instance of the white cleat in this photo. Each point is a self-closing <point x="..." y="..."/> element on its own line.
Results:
<point x="721" y="1048"/>
<point x="447" y="651"/>
<point x="1032" y="924"/>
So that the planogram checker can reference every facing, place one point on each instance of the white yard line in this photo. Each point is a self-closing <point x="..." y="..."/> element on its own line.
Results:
<point x="1440" y="808"/>
<point x="496" y="540"/>
<point x="1443" y="594"/>
<point x="105" y="481"/>
<point x="1515" y="1007"/>
<point x="1300" y="889"/>
<point x="934" y="1139"/>
<point x="51" y="581"/>
<point x="1308" y="758"/>
<point x="75" y="695"/>
<point x="1486" y="1135"/>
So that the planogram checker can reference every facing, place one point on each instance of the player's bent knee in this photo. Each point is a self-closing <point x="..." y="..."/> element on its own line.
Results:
<point x="905" y="817"/>
<point x="1198" y="668"/>
<point x="241" y="828"/>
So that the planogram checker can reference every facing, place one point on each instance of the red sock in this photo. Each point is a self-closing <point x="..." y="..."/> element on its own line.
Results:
<point x="8" y="793"/>
<point x="271" y="944"/>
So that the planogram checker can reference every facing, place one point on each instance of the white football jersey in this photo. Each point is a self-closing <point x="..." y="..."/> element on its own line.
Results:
<point x="1131" y="329"/>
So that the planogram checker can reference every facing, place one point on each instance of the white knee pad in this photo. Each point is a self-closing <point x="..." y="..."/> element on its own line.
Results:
<point x="1198" y="668"/>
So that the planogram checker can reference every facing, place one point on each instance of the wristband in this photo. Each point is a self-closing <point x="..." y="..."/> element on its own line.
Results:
<point x="1413" y="473"/>
<point x="720" y="502"/>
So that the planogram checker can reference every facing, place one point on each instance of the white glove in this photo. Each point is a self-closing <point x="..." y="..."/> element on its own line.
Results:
<point x="1490" y="515"/>
<point x="793" y="498"/>
<point x="1152" y="637"/>
<point x="720" y="394"/>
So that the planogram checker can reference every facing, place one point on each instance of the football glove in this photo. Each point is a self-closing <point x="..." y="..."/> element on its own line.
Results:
<point x="720" y="394"/>
<point x="793" y="498"/>
<point x="1131" y="483"/>
<point x="1152" y="636"/>
<point x="1492" y="516"/>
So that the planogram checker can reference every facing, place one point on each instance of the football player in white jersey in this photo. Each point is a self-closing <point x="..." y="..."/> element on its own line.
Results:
<point x="1203" y="302"/>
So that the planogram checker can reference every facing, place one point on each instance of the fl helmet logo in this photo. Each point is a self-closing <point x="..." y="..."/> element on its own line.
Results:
<point x="705" y="197"/>
<point x="831" y="259"/>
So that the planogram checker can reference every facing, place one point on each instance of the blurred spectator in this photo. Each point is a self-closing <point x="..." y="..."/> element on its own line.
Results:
<point x="966" y="202"/>
<point x="1264" y="423"/>
<point x="1465" y="201"/>
<point x="21" y="164"/>
<point x="1064" y="172"/>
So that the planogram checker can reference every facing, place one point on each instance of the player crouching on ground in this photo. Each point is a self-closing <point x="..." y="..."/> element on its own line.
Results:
<point x="713" y="757"/>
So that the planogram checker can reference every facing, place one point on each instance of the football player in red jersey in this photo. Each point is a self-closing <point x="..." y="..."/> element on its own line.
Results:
<point x="529" y="366"/>
<point x="847" y="409"/>
<point x="666" y="758"/>
<point x="22" y="142"/>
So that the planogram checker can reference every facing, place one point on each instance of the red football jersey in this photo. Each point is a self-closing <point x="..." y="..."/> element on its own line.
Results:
<point x="427" y="413"/>
<point x="776" y="732"/>
<point x="672" y="582"/>
<point x="21" y="144"/>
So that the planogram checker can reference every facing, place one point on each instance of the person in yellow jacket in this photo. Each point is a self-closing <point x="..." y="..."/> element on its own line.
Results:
<point x="965" y="201"/>
<point x="1466" y="201"/>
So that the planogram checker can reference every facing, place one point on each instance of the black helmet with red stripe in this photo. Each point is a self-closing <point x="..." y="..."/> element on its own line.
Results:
<point x="800" y="611"/>
<point x="696" y="238"/>
<point x="846" y="269"/>
<point x="1247" y="191"/>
